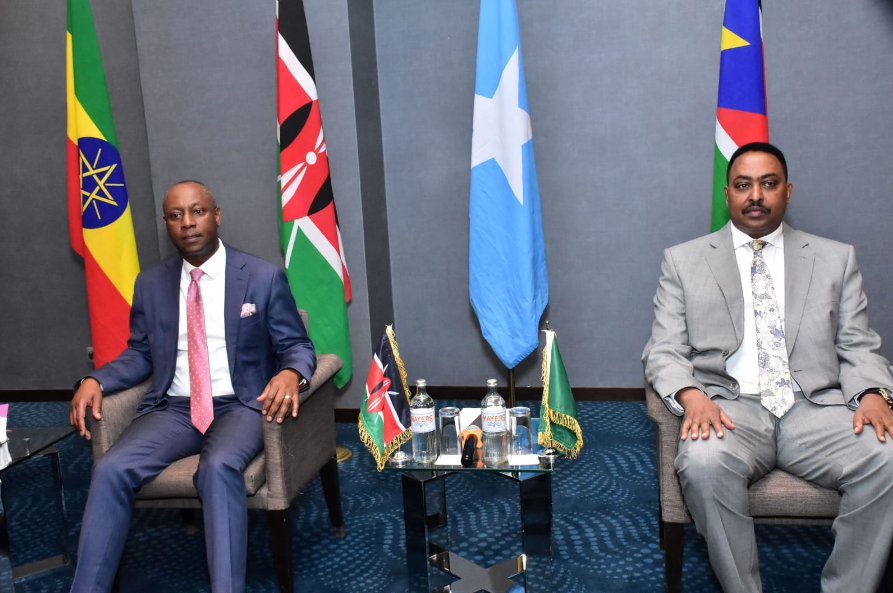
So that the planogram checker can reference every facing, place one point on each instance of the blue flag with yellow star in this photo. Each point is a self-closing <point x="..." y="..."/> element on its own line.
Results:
<point x="507" y="280"/>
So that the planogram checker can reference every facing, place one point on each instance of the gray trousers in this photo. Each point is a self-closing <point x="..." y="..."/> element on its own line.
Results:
<point x="813" y="442"/>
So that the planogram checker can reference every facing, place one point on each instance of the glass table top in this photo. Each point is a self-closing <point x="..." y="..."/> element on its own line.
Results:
<point x="27" y="441"/>
<point x="535" y="463"/>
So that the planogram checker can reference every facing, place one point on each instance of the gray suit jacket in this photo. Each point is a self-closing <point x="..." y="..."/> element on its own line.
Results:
<point x="699" y="319"/>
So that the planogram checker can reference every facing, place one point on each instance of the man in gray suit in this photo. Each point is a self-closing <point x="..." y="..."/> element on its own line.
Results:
<point x="761" y="334"/>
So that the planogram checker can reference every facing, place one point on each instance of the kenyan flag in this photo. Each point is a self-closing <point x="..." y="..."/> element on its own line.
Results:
<point x="308" y="224"/>
<point x="384" y="421"/>
<point x="741" y="106"/>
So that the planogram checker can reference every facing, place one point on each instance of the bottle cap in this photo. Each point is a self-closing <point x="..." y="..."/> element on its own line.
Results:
<point x="421" y="383"/>
<point x="491" y="382"/>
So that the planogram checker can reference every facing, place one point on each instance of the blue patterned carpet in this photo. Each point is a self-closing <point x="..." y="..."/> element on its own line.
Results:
<point x="604" y="530"/>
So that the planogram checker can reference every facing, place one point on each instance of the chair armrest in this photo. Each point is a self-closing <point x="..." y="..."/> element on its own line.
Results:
<point x="118" y="411"/>
<point x="298" y="448"/>
<point x="667" y="427"/>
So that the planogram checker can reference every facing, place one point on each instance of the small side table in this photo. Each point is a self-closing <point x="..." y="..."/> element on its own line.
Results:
<point x="535" y="563"/>
<point x="25" y="443"/>
<point x="535" y="500"/>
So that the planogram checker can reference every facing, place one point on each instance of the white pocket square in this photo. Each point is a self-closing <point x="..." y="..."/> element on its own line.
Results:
<point x="248" y="309"/>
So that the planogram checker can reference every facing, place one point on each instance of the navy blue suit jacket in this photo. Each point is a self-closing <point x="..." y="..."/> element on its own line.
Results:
<point x="258" y="346"/>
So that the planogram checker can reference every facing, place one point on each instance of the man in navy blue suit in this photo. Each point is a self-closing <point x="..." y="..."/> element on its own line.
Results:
<point x="208" y="394"/>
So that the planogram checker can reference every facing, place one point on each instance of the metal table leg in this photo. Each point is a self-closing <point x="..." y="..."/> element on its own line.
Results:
<point x="415" y="520"/>
<point x="5" y="565"/>
<point x="536" y="531"/>
<point x="10" y="574"/>
<point x="421" y="554"/>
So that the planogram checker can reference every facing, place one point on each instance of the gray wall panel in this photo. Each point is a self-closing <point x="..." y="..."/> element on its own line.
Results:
<point x="829" y="89"/>
<point x="207" y="71"/>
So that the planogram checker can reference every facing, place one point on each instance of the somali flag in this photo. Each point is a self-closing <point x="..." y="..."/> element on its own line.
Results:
<point x="508" y="284"/>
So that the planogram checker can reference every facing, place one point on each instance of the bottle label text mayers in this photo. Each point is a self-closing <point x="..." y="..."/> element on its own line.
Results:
<point x="493" y="420"/>
<point x="422" y="420"/>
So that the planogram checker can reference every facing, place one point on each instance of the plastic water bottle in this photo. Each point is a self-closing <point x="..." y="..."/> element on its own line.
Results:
<point x="493" y="426"/>
<point x="424" y="437"/>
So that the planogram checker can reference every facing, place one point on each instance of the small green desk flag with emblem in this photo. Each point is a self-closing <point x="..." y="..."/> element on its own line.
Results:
<point x="559" y="428"/>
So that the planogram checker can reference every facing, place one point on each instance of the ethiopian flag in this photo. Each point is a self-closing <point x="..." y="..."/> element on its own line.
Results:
<point x="741" y="106"/>
<point x="384" y="421"/>
<point x="99" y="219"/>
<point x="559" y="428"/>
<point x="308" y="224"/>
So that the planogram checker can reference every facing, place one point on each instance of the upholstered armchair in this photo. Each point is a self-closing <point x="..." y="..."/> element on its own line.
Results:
<point x="778" y="498"/>
<point x="294" y="453"/>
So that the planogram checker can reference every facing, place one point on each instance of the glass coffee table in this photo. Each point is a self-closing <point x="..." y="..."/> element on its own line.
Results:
<point x="533" y="567"/>
<point x="24" y="443"/>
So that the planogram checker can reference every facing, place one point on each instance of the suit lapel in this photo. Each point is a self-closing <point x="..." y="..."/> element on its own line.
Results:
<point x="722" y="262"/>
<point x="799" y="259"/>
<point x="236" y="288"/>
<point x="169" y="308"/>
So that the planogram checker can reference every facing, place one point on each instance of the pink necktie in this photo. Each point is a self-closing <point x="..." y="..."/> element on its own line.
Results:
<point x="202" y="408"/>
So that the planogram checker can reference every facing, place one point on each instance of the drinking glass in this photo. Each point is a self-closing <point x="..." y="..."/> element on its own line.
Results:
<point x="449" y="432"/>
<point x="519" y="431"/>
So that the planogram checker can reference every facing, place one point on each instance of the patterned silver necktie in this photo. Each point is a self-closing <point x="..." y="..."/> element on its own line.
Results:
<point x="776" y="390"/>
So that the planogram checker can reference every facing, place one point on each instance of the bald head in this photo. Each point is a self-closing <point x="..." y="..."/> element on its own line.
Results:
<point x="192" y="217"/>
<point x="202" y="186"/>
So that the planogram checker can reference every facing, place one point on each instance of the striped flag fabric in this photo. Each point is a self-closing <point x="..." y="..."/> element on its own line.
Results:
<point x="308" y="224"/>
<point x="741" y="114"/>
<point x="99" y="216"/>
<point x="507" y="280"/>
<point x="384" y="421"/>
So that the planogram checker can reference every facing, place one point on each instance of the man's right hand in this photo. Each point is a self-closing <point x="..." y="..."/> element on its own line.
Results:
<point x="700" y="414"/>
<point x="89" y="393"/>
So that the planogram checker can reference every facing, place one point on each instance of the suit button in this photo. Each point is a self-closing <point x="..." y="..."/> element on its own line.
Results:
<point x="734" y="385"/>
<point x="725" y="352"/>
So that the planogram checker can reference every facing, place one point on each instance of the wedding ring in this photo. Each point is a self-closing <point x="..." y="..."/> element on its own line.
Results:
<point x="287" y="397"/>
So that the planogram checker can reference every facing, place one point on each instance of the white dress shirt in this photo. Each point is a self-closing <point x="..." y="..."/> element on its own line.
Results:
<point x="213" y="287"/>
<point x="743" y="364"/>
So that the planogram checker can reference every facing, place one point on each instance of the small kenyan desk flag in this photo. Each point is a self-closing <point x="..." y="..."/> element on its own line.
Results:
<point x="384" y="417"/>
<point x="559" y="428"/>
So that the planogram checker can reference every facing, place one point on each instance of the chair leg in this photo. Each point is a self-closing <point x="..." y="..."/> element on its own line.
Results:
<point x="887" y="581"/>
<point x="674" y="541"/>
<point x="116" y="584"/>
<point x="332" y="491"/>
<point x="660" y="529"/>
<point x="190" y="520"/>
<point x="280" y="540"/>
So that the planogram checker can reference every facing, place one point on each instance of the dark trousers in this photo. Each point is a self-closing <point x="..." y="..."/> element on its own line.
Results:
<point x="151" y="443"/>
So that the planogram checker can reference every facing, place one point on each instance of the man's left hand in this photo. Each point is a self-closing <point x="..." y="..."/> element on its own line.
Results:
<point x="873" y="409"/>
<point x="282" y="393"/>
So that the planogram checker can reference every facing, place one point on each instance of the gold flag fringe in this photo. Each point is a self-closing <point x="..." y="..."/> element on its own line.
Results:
<point x="382" y="458"/>
<point x="392" y="338"/>
<point x="545" y="438"/>
<point x="568" y="423"/>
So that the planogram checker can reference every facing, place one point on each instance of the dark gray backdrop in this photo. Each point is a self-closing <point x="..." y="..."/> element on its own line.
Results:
<point x="622" y="100"/>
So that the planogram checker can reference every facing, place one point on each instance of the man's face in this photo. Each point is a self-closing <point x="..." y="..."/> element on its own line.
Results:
<point x="192" y="221"/>
<point x="758" y="193"/>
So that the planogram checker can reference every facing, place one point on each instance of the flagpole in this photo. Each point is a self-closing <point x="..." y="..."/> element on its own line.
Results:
<point x="511" y="388"/>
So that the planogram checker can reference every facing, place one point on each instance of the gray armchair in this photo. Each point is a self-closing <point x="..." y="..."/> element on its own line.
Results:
<point x="294" y="453"/>
<point x="779" y="498"/>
